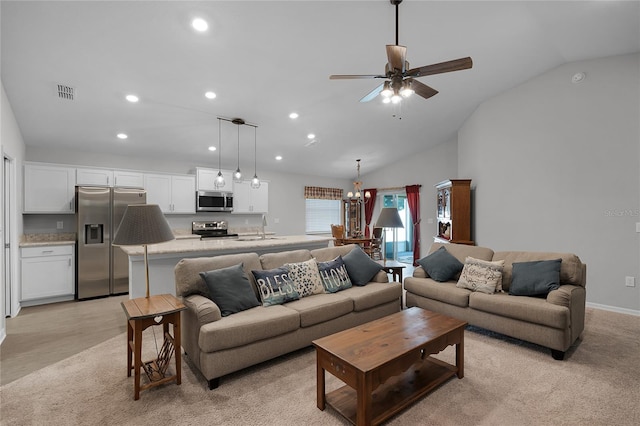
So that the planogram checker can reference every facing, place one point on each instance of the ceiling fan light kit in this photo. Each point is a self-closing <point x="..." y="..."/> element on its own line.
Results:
<point x="400" y="82"/>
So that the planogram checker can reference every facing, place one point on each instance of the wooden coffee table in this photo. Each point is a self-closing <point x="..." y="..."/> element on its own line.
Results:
<point x="386" y="364"/>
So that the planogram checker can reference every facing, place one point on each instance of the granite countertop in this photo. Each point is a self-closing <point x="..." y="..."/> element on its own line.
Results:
<point x="244" y="243"/>
<point x="43" y="240"/>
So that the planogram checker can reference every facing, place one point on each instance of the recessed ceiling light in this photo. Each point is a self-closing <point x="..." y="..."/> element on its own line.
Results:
<point x="210" y="95"/>
<point x="199" y="24"/>
<point x="132" y="98"/>
<point x="122" y="136"/>
<point x="293" y="115"/>
<point x="278" y="157"/>
<point x="311" y="136"/>
<point x="212" y="148"/>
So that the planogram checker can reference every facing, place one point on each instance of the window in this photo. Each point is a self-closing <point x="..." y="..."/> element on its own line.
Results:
<point x="320" y="215"/>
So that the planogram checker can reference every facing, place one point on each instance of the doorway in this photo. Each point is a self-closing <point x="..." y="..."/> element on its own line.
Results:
<point x="7" y="226"/>
<point x="399" y="241"/>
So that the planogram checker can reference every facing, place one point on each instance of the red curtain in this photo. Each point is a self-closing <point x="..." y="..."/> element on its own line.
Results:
<point x="368" y="210"/>
<point x="413" y="198"/>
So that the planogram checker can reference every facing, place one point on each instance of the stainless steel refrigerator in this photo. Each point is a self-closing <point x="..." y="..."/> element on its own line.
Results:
<point x="102" y="269"/>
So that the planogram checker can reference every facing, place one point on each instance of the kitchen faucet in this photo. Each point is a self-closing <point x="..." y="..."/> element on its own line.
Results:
<point x="264" y="223"/>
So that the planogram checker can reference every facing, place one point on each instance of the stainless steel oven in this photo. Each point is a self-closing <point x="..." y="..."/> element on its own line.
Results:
<point x="214" y="201"/>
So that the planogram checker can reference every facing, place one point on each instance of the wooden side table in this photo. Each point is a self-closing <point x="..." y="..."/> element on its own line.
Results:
<point x="394" y="268"/>
<point x="142" y="313"/>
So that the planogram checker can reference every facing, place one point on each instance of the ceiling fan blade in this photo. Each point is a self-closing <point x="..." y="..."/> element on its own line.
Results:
<point x="422" y="89"/>
<point x="396" y="56"/>
<point x="349" y="77"/>
<point x="372" y="94"/>
<point x="442" y="67"/>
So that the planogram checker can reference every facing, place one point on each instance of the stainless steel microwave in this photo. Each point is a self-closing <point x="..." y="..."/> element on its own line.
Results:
<point x="214" y="201"/>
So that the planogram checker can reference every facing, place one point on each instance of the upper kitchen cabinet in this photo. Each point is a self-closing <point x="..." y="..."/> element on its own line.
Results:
<point x="249" y="200"/>
<point x="94" y="177"/>
<point x="108" y="177"/>
<point x="49" y="188"/>
<point x="127" y="179"/>
<point x="206" y="178"/>
<point x="173" y="193"/>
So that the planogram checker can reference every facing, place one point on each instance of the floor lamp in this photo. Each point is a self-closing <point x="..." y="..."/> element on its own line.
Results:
<point x="389" y="218"/>
<point x="143" y="224"/>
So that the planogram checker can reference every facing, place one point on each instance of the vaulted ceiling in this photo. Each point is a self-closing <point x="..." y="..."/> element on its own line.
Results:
<point x="266" y="59"/>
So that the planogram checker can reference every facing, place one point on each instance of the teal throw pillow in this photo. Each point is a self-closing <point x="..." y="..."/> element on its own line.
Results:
<point x="230" y="289"/>
<point x="536" y="278"/>
<point x="334" y="275"/>
<point x="275" y="287"/>
<point x="360" y="267"/>
<point x="441" y="265"/>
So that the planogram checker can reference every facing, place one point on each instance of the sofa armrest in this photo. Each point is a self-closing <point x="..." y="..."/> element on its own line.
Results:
<point x="419" y="272"/>
<point x="574" y="298"/>
<point x="380" y="277"/>
<point x="562" y="296"/>
<point x="205" y="309"/>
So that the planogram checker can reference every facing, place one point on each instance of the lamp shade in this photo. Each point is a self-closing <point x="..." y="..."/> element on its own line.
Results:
<point x="389" y="218"/>
<point x="143" y="224"/>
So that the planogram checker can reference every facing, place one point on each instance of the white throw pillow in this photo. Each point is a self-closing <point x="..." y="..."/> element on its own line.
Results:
<point x="481" y="275"/>
<point x="306" y="277"/>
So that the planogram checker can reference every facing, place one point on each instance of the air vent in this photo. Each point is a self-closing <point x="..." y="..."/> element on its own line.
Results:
<point x="66" y="92"/>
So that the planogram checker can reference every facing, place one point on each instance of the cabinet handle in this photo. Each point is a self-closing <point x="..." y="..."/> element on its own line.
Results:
<point x="69" y="262"/>
<point x="47" y="251"/>
<point x="107" y="180"/>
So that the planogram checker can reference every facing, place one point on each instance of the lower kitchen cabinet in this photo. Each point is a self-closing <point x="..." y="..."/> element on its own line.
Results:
<point x="47" y="273"/>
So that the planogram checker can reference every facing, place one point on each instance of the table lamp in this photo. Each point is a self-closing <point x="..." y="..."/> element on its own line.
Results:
<point x="389" y="218"/>
<point x="141" y="225"/>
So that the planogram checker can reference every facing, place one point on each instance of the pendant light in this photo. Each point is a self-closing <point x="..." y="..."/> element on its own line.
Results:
<point x="237" y="175"/>
<point x="255" y="182"/>
<point x="219" y="181"/>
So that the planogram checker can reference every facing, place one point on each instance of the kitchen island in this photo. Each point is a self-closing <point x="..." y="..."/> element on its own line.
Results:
<point x="164" y="257"/>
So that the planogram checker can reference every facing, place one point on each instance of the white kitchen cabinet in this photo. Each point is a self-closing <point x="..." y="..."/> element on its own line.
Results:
<point x="249" y="200"/>
<point x="128" y="179"/>
<point x="206" y="178"/>
<point x="173" y="193"/>
<point x="94" y="177"/>
<point x="47" y="272"/>
<point x="49" y="188"/>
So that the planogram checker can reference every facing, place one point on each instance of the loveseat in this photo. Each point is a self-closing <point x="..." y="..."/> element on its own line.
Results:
<point x="218" y="345"/>
<point x="554" y="320"/>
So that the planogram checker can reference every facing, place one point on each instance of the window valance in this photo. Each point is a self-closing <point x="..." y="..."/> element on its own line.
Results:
<point x="319" y="193"/>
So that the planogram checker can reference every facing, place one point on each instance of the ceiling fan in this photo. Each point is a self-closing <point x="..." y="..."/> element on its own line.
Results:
<point x="400" y="79"/>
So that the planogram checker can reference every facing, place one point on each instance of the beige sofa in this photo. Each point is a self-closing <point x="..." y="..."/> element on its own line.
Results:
<point x="219" y="345"/>
<point x="554" y="322"/>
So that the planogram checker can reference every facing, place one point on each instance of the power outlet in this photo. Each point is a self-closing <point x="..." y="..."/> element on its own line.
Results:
<point x="276" y="220"/>
<point x="637" y="226"/>
<point x="246" y="221"/>
<point x="60" y="225"/>
<point x="630" y="281"/>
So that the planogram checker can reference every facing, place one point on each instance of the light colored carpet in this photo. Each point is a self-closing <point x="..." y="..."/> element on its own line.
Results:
<point x="507" y="382"/>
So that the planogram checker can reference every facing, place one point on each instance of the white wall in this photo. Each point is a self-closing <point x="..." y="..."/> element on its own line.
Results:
<point x="11" y="146"/>
<point x="555" y="166"/>
<point x="427" y="169"/>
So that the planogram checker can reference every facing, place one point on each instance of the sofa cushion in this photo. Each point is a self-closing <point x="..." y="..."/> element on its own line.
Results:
<point x="530" y="309"/>
<point x="188" y="280"/>
<point x="360" y="266"/>
<point x="306" y="277"/>
<point x="247" y="327"/>
<point x="535" y="278"/>
<point x="444" y="292"/>
<point x="275" y="286"/>
<point x="481" y="275"/>
<point x="571" y="268"/>
<point x="276" y="260"/>
<point x="230" y="289"/>
<point x="334" y="275"/>
<point x="441" y="265"/>
<point x="319" y="308"/>
<point x="329" y="253"/>
<point x="373" y="294"/>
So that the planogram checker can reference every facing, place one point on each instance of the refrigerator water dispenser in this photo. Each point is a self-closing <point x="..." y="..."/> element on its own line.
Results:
<point x="94" y="233"/>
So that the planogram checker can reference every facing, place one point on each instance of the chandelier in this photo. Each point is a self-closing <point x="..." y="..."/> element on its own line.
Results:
<point x="219" y="182"/>
<point x="357" y="188"/>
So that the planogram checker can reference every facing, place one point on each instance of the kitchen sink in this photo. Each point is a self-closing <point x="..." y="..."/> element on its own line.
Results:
<point x="256" y="238"/>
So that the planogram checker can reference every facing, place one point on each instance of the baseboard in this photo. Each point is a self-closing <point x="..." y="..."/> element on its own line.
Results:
<point x="614" y="309"/>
